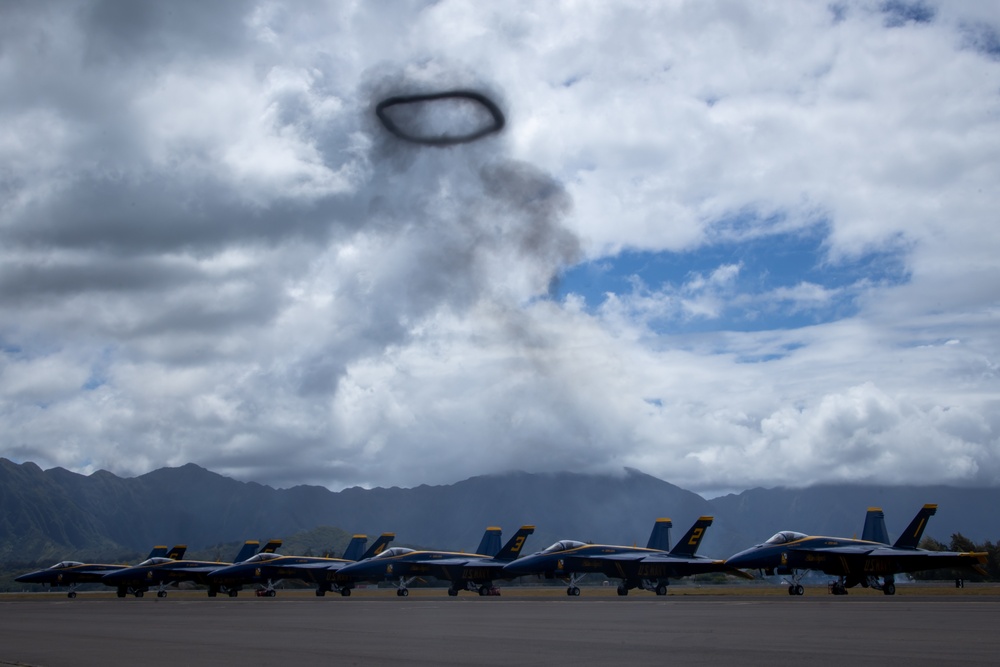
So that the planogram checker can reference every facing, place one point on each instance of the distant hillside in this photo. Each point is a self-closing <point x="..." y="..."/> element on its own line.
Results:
<point x="56" y="514"/>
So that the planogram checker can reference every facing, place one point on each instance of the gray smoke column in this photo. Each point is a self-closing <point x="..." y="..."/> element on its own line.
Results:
<point x="452" y="223"/>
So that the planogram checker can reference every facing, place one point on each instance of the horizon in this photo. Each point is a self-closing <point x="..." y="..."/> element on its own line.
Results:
<point x="624" y="473"/>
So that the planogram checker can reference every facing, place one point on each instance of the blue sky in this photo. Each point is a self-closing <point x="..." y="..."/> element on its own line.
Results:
<point x="764" y="280"/>
<point x="727" y="244"/>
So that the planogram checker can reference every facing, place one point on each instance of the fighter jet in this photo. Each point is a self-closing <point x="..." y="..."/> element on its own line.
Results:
<point x="267" y="569"/>
<point x="72" y="573"/>
<point x="472" y="572"/>
<point x="649" y="568"/>
<point x="869" y="561"/>
<point x="161" y="572"/>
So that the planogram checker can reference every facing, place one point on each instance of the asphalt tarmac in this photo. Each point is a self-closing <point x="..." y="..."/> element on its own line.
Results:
<point x="513" y="630"/>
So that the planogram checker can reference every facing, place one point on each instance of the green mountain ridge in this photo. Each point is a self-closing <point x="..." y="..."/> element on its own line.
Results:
<point x="56" y="514"/>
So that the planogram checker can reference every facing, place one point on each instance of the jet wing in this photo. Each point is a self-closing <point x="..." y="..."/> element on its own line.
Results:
<point x="449" y="569"/>
<point x="916" y="560"/>
<point x="846" y="550"/>
<point x="683" y="567"/>
<point x="652" y="566"/>
<point x="336" y="565"/>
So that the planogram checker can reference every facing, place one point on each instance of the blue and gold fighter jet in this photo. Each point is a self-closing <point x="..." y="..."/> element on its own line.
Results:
<point x="870" y="561"/>
<point x="161" y="572"/>
<point x="267" y="569"/>
<point x="649" y="568"/>
<point x="72" y="573"/>
<point x="472" y="572"/>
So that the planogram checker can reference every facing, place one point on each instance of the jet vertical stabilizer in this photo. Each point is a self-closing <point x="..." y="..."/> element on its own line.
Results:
<point x="688" y="545"/>
<point x="270" y="547"/>
<point x="490" y="544"/>
<point x="249" y="549"/>
<point x="512" y="549"/>
<point x="875" y="526"/>
<point x="356" y="548"/>
<point x="911" y="536"/>
<point x="659" y="538"/>
<point x="378" y="546"/>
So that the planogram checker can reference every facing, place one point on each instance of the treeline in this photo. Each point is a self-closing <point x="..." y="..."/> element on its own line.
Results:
<point x="962" y="543"/>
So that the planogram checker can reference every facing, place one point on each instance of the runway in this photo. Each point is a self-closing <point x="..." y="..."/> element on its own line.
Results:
<point x="432" y="629"/>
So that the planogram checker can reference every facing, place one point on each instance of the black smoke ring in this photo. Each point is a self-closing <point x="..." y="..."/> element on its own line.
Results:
<point x="498" y="120"/>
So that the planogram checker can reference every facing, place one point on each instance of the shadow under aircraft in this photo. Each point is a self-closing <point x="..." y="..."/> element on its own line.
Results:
<point x="648" y="568"/>
<point x="162" y="572"/>
<point x="72" y="573"/>
<point x="870" y="561"/>
<point x="267" y="569"/>
<point x="472" y="572"/>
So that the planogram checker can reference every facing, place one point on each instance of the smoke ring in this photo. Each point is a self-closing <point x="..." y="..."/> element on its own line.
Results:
<point x="497" y="116"/>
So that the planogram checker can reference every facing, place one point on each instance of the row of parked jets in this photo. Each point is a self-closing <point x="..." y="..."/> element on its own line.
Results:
<point x="870" y="562"/>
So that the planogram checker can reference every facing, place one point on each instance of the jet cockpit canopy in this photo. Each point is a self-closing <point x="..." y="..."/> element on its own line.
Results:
<point x="394" y="551"/>
<point x="563" y="545"/>
<point x="156" y="560"/>
<point x="785" y="536"/>
<point x="261" y="557"/>
<point x="62" y="565"/>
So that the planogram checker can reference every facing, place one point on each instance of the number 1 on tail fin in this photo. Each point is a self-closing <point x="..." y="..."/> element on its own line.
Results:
<point x="911" y="536"/>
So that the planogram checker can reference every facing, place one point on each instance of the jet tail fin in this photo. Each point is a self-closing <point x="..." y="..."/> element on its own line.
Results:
<point x="248" y="549"/>
<point x="875" y="526"/>
<point x="177" y="552"/>
<point x="490" y="544"/>
<point x="659" y="538"/>
<point x="270" y="547"/>
<point x="379" y="545"/>
<point x="512" y="549"/>
<point x="159" y="550"/>
<point x="688" y="545"/>
<point x="911" y="536"/>
<point x="356" y="547"/>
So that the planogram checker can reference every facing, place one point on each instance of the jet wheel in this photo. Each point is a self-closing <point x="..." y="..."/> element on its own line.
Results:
<point x="71" y="595"/>
<point x="889" y="588"/>
<point x="622" y="590"/>
<point x="573" y="591"/>
<point x="452" y="592"/>
<point x="345" y="592"/>
<point x="799" y="590"/>
<point x="661" y="589"/>
<point x="138" y="594"/>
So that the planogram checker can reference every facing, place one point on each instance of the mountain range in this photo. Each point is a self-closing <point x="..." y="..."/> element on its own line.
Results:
<point x="56" y="514"/>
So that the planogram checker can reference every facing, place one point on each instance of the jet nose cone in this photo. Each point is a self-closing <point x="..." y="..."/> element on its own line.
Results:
<point x="353" y="568"/>
<point x="747" y="558"/>
<point x="112" y="578"/>
<point x="521" y="566"/>
<point x="29" y="578"/>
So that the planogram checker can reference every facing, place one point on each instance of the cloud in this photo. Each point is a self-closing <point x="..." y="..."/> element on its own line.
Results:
<point x="211" y="250"/>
